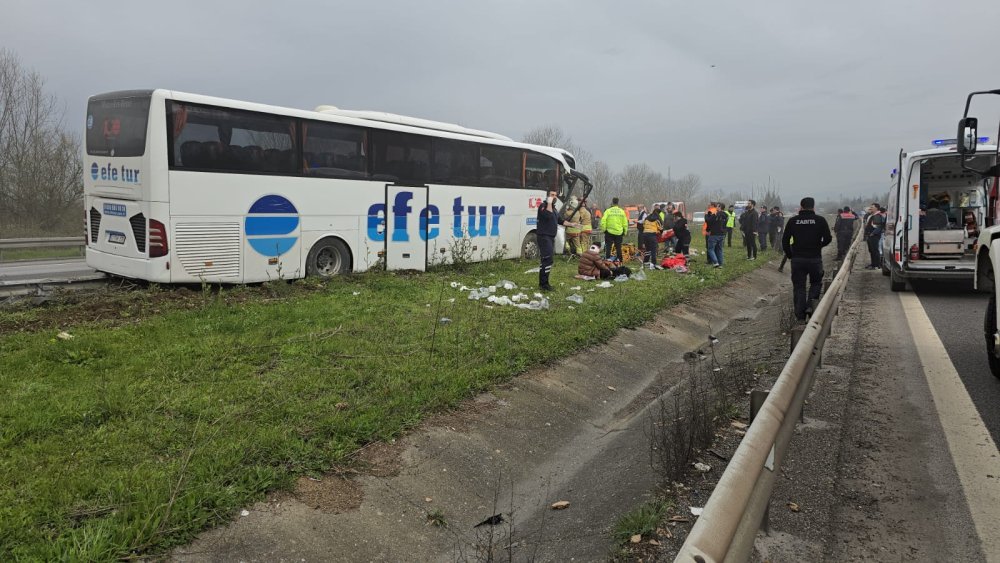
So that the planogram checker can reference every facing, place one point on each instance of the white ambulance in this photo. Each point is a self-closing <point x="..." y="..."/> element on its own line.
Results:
<point x="935" y="211"/>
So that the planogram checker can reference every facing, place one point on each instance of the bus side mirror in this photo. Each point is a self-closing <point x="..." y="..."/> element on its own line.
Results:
<point x="967" y="135"/>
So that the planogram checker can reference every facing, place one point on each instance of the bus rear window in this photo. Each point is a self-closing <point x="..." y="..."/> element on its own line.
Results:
<point x="116" y="126"/>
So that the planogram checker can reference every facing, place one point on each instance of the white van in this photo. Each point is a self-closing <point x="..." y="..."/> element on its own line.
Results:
<point x="936" y="210"/>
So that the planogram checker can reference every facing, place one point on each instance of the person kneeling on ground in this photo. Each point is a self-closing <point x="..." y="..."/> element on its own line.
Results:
<point x="592" y="265"/>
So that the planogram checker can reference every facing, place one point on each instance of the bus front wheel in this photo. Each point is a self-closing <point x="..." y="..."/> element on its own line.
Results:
<point x="529" y="248"/>
<point x="328" y="257"/>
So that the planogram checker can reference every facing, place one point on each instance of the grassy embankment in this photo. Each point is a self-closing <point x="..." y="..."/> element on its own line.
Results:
<point x="159" y="420"/>
<point x="15" y="254"/>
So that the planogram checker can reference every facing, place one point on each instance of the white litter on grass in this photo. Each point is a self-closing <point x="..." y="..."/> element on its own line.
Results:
<point x="455" y="284"/>
<point x="452" y="300"/>
<point x="502" y="300"/>
<point x="571" y="307"/>
<point x="507" y="284"/>
<point x="64" y="336"/>
<point x="533" y="271"/>
<point x="696" y="510"/>
<point x="445" y="320"/>
<point x="575" y="288"/>
<point x="621" y="278"/>
<point x="639" y="275"/>
<point x="539" y="295"/>
<point x="245" y="513"/>
<point x="578" y="299"/>
<point x="604" y="284"/>
<point x="356" y="293"/>
<point x="703" y="467"/>
<point x="464" y="288"/>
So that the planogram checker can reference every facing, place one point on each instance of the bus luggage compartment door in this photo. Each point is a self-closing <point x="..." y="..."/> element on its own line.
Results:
<point x="406" y="233"/>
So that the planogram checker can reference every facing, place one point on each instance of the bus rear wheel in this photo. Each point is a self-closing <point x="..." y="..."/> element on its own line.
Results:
<point x="328" y="257"/>
<point x="990" y="329"/>
<point x="529" y="248"/>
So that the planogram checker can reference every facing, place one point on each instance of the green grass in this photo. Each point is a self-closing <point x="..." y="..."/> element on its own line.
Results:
<point x="642" y="520"/>
<point x="15" y="254"/>
<point x="135" y="434"/>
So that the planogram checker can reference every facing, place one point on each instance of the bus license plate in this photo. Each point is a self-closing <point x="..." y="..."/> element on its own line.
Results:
<point x="114" y="237"/>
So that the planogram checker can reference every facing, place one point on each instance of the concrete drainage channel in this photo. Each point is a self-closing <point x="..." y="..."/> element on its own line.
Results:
<point x="578" y="431"/>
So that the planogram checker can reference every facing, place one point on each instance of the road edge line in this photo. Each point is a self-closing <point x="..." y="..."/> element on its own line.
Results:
<point x="973" y="450"/>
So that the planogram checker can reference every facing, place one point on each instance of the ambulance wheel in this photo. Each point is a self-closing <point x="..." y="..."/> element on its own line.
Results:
<point x="990" y="328"/>
<point x="328" y="257"/>
<point x="885" y="269"/>
<point x="896" y="283"/>
<point x="529" y="248"/>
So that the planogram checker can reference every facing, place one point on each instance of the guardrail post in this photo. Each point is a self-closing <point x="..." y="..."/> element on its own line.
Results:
<point x="757" y="399"/>
<point x="796" y="335"/>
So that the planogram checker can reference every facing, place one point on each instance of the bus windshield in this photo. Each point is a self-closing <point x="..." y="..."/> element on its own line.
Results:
<point x="116" y="124"/>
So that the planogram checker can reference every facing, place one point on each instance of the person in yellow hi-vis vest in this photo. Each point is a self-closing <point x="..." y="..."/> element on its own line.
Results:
<point x="614" y="223"/>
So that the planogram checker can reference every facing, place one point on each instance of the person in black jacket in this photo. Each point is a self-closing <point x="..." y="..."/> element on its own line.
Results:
<point x="811" y="233"/>
<point x="546" y="237"/>
<point x="748" y="226"/>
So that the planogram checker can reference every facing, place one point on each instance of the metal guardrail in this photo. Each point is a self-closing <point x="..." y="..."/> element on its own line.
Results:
<point x="727" y="527"/>
<point x="43" y="242"/>
<point x="40" y="242"/>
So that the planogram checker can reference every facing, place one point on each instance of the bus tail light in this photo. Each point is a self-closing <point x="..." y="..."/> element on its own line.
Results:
<point x="157" y="239"/>
<point x="914" y="252"/>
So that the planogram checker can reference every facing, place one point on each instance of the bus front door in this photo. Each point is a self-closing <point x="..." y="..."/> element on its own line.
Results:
<point x="406" y="227"/>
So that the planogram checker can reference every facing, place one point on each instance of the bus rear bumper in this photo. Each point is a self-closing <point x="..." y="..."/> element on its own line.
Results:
<point x="156" y="270"/>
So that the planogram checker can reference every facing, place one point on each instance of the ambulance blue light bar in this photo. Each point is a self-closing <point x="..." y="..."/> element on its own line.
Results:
<point x="947" y="142"/>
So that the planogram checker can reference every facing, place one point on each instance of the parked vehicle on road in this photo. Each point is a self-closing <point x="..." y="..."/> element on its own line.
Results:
<point x="698" y="218"/>
<point x="982" y="161"/>
<point x="189" y="188"/>
<point x="936" y="209"/>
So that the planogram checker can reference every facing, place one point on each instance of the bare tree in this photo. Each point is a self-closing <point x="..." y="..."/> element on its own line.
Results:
<point x="687" y="187"/>
<point x="605" y="183"/>
<point x="40" y="170"/>
<point x="554" y="136"/>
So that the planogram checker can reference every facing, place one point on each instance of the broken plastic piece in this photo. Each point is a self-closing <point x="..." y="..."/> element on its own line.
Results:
<point x="507" y="284"/>
<point x="578" y="299"/>
<point x="622" y="278"/>
<point x="533" y="271"/>
<point x="604" y="284"/>
<point x="640" y="275"/>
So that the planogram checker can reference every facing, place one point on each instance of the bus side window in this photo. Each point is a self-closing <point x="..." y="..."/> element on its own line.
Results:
<point x="332" y="150"/>
<point x="454" y="163"/>
<point x="227" y="140"/>
<point x="541" y="171"/>
<point x="500" y="167"/>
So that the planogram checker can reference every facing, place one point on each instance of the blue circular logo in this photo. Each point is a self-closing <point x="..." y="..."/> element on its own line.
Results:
<point x="94" y="169"/>
<point x="271" y="225"/>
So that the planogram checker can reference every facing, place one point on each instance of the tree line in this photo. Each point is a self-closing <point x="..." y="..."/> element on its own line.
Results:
<point x="640" y="183"/>
<point x="41" y="173"/>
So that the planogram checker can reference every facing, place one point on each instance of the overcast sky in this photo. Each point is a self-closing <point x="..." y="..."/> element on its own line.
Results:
<point x="818" y="96"/>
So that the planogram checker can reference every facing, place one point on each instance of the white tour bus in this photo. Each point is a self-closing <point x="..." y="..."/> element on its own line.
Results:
<point x="935" y="211"/>
<point x="188" y="188"/>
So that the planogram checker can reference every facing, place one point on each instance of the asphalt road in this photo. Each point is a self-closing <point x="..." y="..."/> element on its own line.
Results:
<point x="57" y="270"/>
<point x="956" y="312"/>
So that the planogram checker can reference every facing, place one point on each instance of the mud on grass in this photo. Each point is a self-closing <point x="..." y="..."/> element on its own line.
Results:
<point x="169" y="409"/>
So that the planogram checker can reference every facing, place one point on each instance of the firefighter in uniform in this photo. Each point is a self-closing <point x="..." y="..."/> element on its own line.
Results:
<point x="844" y="229"/>
<point x="811" y="233"/>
